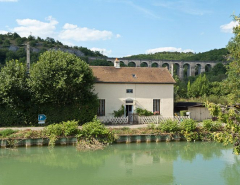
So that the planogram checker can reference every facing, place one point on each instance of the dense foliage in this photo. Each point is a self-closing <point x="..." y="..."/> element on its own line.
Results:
<point x="59" y="86"/>
<point x="206" y="86"/>
<point x="119" y="112"/>
<point x="212" y="55"/>
<point x="233" y="71"/>
<point x="95" y="129"/>
<point x="168" y="126"/>
<point x="188" y="125"/>
<point x="143" y="112"/>
<point x="6" y="132"/>
<point x="68" y="128"/>
<point x="60" y="78"/>
<point x="99" y="62"/>
<point x="231" y="114"/>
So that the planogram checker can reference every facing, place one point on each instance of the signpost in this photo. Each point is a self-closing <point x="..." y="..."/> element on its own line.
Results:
<point x="41" y="118"/>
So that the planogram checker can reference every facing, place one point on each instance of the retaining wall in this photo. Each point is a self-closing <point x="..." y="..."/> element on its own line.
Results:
<point x="73" y="140"/>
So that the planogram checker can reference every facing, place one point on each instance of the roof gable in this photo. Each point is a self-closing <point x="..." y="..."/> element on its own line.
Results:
<point x="109" y="74"/>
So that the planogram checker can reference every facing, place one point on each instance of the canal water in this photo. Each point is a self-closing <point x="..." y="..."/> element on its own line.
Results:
<point x="122" y="164"/>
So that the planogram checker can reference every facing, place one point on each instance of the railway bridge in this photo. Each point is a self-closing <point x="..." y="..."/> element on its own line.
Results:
<point x="182" y="68"/>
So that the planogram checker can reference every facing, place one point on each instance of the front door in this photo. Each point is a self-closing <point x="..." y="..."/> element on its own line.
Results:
<point x="129" y="113"/>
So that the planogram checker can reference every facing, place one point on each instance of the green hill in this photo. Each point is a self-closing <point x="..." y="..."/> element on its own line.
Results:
<point x="212" y="55"/>
<point x="12" y="46"/>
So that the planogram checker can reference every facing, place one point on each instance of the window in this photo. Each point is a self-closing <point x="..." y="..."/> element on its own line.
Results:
<point x="129" y="90"/>
<point x="101" y="108"/>
<point x="156" y="106"/>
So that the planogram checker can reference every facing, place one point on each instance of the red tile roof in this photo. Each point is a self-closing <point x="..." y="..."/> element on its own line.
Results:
<point x="110" y="74"/>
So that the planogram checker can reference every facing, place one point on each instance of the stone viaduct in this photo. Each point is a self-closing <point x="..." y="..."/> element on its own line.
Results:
<point x="191" y="67"/>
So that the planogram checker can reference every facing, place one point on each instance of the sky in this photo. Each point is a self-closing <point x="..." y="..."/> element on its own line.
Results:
<point x="119" y="28"/>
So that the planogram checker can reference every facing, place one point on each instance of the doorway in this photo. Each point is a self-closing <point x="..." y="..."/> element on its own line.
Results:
<point x="129" y="113"/>
<point x="129" y="109"/>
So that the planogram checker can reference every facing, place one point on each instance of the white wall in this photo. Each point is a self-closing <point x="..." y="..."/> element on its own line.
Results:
<point x="143" y="94"/>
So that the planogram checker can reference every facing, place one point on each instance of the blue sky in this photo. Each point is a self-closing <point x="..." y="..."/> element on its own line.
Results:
<point x="124" y="27"/>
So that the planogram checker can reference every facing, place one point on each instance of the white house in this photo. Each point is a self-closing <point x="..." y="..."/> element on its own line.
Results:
<point x="134" y="87"/>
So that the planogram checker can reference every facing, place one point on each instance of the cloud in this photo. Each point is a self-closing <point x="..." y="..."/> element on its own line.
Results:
<point x="228" y="28"/>
<point x="73" y="32"/>
<point x="69" y="26"/>
<point x="35" y="27"/>
<point x="67" y="35"/>
<point x="8" y="0"/>
<point x="3" y="32"/>
<point x="103" y="51"/>
<point x="168" y="49"/>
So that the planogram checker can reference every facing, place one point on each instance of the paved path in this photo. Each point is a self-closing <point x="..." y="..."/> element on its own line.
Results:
<point x="108" y="126"/>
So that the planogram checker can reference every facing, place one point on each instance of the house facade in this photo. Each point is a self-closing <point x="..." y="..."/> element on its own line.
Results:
<point x="134" y="87"/>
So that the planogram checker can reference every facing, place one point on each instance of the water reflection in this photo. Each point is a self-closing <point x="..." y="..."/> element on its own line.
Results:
<point x="148" y="163"/>
<point x="231" y="172"/>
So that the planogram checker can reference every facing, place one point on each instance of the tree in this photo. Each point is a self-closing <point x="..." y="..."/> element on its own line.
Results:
<point x="219" y="68"/>
<point x="231" y="114"/>
<point x="98" y="62"/>
<point x="61" y="83"/>
<point x="60" y="78"/>
<point x="13" y="86"/>
<point x="19" y="41"/>
<point x="200" y="87"/>
<point x="49" y="39"/>
<point x="15" y="35"/>
<point x="6" y="43"/>
<point x="233" y="71"/>
<point x="14" y="94"/>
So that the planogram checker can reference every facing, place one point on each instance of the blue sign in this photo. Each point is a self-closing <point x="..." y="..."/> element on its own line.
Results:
<point x="41" y="118"/>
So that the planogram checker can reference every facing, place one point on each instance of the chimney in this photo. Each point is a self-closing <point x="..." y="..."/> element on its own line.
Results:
<point x="117" y="63"/>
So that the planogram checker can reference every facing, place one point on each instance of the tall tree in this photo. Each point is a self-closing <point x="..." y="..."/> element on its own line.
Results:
<point x="233" y="71"/>
<point x="200" y="87"/>
<point x="13" y="86"/>
<point x="62" y="86"/>
<point x="60" y="78"/>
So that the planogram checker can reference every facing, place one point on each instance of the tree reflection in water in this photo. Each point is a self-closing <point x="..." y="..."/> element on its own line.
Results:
<point x="122" y="163"/>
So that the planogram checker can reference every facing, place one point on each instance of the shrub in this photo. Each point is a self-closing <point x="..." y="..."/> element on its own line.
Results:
<point x="7" y="132"/>
<point x="183" y="112"/>
<point x="188" y="125"/>
<point x="68" y="128"/>
<point x="119" y="112"/>
<point x="95" y="129"/>
<point x="53" y="130"/>
<point x="143" y="112"/>
<point x="211" y="126"/>
<point x="207" y="124"/>
<point x="151" y="126"/>
<point x="168" y="126"/>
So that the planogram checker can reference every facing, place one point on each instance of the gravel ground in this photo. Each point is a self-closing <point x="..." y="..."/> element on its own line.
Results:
<point x="108" y="126"/>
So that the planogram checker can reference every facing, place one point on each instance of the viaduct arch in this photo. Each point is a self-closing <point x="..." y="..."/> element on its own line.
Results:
<point x="189" y="68"/>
